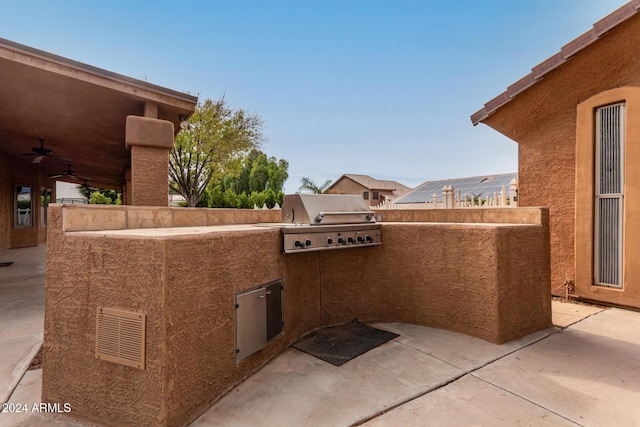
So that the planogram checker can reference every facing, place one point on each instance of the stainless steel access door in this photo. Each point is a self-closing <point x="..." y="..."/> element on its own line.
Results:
<point x="251" y="322"/>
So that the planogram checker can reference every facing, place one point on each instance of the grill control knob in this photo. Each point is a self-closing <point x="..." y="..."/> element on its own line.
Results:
<point x="368" y="238"/>
<point x="298" y="244"/>
<point x="360" y="239"/>
<point x="329" y="240"/>
<point x="307" y="242"/>
<point x="350" y="239"/>
<point x="341" y="240"/>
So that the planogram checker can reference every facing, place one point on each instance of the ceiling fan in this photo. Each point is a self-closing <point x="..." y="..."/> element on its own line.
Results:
<point x="42" y="152"/>
<point x="71" y="174"/>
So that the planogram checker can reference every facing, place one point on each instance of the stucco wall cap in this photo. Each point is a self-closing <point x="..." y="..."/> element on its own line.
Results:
<point x="148" y="132"/>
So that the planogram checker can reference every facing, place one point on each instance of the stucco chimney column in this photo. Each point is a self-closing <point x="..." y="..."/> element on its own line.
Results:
<point x="150" y="141"/>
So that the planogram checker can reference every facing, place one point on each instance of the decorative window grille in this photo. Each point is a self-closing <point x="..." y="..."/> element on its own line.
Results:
<point x="609" y="195"/>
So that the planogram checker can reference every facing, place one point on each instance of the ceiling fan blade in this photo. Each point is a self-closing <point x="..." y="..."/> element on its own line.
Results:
<point x="37" y="159"/>
<point x="69" y="173"/>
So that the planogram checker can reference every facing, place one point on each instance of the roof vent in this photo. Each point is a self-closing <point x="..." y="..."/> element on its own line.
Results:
<point x="120" y="337"/>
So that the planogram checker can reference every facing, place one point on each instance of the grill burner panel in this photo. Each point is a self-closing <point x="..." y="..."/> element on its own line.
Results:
<point x="327" y="221"/>
<point x="315" y="238"/>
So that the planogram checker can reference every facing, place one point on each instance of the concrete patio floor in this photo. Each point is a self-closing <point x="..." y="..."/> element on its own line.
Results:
<point x="585" y="371"/>
<point x="21" y="313"/>
<point x="585" y="374"/>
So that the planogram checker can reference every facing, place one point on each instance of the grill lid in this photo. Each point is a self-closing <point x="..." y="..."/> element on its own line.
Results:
<point x="324" y="209"/>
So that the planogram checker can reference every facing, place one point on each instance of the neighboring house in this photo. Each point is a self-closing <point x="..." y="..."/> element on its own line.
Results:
<point x="576" y="119"/>
<point x="374" y="191"/>
<point x="477" y="186"/>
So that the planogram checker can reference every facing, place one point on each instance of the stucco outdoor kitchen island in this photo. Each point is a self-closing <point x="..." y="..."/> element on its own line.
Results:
<point x="482" y="272"/>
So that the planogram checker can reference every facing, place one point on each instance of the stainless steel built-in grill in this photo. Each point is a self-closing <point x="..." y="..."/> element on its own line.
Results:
<point x="317" y="222"/>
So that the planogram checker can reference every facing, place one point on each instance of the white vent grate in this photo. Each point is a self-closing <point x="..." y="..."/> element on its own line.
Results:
<point x="609" y="195"/>
<point x="120" y="337"/>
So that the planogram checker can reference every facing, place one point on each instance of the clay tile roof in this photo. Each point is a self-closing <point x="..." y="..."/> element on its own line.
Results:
<point x="599" y="29"/>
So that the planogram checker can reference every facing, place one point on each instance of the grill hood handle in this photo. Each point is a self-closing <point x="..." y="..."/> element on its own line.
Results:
<point x="321" y="215"/>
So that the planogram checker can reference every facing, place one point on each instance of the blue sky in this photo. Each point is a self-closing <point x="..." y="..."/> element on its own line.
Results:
<point x="382" y="88"/>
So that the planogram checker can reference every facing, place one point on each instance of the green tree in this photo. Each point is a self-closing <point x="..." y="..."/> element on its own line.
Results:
<point x="98" y="198"/>
<point x="210" y="146"/>
<point x="257" y="172"/>
<point x="254" y="180"/>
<point x="308" y="186"/>
<point x="107" y="195"/>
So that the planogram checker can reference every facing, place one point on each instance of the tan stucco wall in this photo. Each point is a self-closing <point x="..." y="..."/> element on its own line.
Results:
<point x="200" y="313"/>
<point x="21" y="173"/>
<point x="27" y="174"/>
<point x="542" y="120"/>
<point x="5" y="205"/>
<point x="477" y="279"/>
<point x="125" y="273"/>
<point x="585" y="173"/>
<point x="45" y="182"/>
<point x="149" y="172"/>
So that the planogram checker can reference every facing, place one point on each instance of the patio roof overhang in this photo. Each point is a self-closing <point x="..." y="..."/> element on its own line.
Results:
<point x="80" y="111"/>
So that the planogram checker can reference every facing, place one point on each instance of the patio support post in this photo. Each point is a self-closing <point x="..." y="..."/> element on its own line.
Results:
<point x="126" y="187"/>
<point x="150" y="141"/>
<point x="151" y="110"/>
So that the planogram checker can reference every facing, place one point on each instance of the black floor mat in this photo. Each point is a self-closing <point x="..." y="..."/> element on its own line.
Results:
<point x="339" y="344"/>
<point x="6" y="264"/>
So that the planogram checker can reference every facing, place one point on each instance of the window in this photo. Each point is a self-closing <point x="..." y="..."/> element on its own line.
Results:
<point x="45" y="199"/>
<point x="376" y="195"/>
<point x="365" y="195"/>
<point x="23" y="206"/>
<point x="609" y="195"/>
